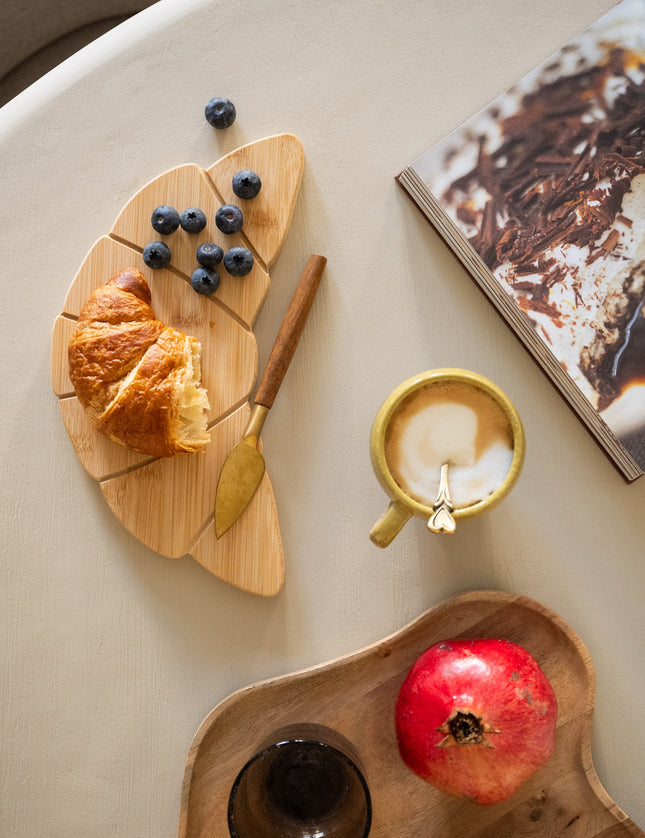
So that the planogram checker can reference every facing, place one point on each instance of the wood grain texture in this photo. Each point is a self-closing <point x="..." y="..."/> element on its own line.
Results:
<point x="279" y="163"/>
<point x="167" y="504"/>
<point x="290" y="331"/>
<point x="356" y="695"/>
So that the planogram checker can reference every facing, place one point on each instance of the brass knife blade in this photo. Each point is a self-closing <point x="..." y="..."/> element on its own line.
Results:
<point x="239" y="479"/>
<point x="244" y="466"/>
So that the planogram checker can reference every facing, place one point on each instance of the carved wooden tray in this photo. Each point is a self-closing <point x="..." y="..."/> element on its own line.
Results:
<point x="356" y="696"/>
<point x="168" y="503"/>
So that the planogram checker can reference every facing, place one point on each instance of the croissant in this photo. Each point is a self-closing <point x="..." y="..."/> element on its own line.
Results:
<point x="138" y="379"/>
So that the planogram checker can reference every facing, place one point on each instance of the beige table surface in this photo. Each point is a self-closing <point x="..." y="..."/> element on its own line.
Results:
<point x="112" y="655"/>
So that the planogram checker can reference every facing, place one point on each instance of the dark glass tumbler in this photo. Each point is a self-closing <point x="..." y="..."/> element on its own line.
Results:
<point x="304" y="781"/>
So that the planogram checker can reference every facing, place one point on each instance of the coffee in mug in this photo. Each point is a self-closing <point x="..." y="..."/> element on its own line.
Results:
<point x="449" y="422"/>
<point x="446" y="444"/>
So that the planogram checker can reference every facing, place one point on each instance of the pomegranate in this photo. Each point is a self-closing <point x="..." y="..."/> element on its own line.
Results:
<point x="475" y="718"/>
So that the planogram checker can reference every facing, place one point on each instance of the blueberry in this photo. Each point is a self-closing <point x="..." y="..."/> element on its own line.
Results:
<point x="208" y="255"/>
<point x="229" y="219"/>
<point x="246" y="184"/>
<point x="238" y="261"/>
<point x="205" y="280"/>
<point x="220" y="112"/>
<point x="156" y="255"/>
<point x="193" y="220"/>
<point x="165" y="219"/>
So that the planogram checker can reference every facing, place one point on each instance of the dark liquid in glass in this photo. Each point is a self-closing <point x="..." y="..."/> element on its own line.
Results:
<point x="306" y="781"/>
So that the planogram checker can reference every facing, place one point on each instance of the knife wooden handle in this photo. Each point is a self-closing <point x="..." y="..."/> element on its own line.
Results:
<point x="290" y="331"/>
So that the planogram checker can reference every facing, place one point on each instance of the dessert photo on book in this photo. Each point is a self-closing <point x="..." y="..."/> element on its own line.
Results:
<point x="542" y="197"/>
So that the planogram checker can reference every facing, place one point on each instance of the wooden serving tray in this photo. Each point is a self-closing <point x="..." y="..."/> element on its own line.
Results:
<point x="168" y="503"/>
<point x="356" y="696"/>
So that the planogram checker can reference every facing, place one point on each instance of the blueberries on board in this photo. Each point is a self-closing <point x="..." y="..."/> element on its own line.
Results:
<point x="156" y="255"/>
<point x="193" y="220"/>
<point x="209" y="254"/>
<point x="205" y="280"/>
<point x="246" y="184"/>
<point x="229" y="219"/>
<point x="165" y="220"/>
<point x="238" y="261"/>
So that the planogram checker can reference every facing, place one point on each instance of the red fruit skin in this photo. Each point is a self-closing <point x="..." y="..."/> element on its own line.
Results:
<point x="496" y="680"/>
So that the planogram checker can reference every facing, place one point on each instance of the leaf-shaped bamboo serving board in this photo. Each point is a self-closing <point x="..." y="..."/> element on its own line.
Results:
<point x="356" y="695"/>
<point x="168" y="503"/>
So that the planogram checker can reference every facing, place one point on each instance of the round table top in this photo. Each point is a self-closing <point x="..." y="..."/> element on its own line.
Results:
<point x="113" y="654"/>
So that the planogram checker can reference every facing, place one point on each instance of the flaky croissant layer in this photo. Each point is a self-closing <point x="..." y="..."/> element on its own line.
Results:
<point x="138" y="379"/>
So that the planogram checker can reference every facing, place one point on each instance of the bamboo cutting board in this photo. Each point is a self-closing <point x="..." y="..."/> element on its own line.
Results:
<point x="356" y="695"/>
<point x="167" y="503"/>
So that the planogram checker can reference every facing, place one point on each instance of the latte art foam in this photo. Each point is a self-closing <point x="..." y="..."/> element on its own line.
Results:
<point x="449" y="422"/>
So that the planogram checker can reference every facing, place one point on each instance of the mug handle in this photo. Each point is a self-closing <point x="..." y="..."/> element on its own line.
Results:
<point x="390" y="524"/>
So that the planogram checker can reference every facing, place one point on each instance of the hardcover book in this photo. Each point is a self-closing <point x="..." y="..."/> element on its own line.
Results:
<point x="541" y="195"/>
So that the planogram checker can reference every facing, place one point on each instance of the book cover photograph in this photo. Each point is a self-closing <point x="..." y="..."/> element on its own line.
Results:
<point x="542" y="197"/>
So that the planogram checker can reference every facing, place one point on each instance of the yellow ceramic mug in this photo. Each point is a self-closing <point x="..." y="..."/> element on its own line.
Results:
<point x="457" y="416"/>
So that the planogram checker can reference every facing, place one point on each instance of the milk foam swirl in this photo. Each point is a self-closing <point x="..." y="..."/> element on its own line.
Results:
<point x="449" y="422"/>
